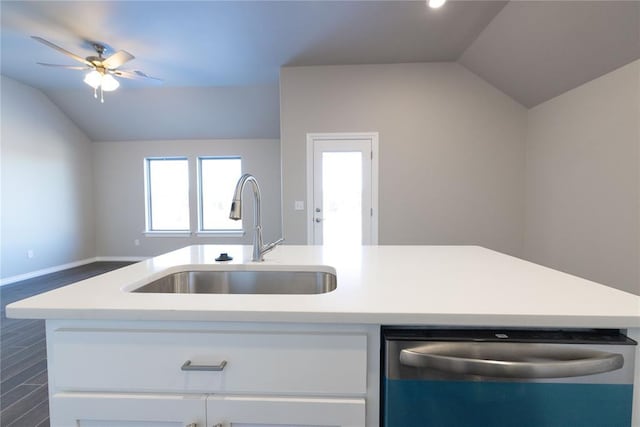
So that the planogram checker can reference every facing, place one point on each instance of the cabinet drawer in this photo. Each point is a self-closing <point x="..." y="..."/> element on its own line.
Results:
<point x="139" y="361"/>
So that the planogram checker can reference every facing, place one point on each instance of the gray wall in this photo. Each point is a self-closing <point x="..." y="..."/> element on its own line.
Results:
<point x="163" y="113"/>
<point x="451" y="149"/>
<point x="456" y="139"/>
<point x="583" y="181"/>
<point x="119" y="184"/>
<point x="47" y="200"/>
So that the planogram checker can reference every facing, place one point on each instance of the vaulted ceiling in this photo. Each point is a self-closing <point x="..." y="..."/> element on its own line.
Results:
<point x="220" y="60"/>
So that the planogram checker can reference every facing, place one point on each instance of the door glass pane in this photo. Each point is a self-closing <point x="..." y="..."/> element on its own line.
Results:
<point x="342" y="198"/>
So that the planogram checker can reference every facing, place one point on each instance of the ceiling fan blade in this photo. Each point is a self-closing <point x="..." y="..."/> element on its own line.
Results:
<point x="146" y="76"/>
<point x="117" y="59"/>
<point x="134" y="74"/>
<point x="67" y="67"/>
<point x="59" y="49"/>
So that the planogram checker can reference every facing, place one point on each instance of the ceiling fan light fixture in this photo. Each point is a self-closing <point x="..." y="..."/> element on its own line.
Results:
<point x="109" y="83"/>
<point x="100" y="77"/>
<point x="93" y="79"/>
<point x="435" y="4"/>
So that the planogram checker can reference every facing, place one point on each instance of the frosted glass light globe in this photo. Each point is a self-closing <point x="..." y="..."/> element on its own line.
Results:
<point x="93" y="79"/>
<point x="109" y="83"/>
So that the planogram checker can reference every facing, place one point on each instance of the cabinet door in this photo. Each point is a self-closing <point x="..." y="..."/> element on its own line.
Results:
<point x="262" y="411"/>
<point x="127" y="410"/>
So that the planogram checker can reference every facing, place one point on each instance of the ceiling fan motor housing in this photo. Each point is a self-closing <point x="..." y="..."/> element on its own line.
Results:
<point x="99" y="49"/>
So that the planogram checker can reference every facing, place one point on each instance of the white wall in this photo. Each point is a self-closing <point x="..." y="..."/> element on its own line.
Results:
<point x="583" y="181"/>
<point x="120" y="201"/>
<point x="47" y="200"/>
<point x="451" y="149"/>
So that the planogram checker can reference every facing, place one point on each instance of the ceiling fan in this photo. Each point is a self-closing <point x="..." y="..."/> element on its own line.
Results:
<point x="101" y="69"/>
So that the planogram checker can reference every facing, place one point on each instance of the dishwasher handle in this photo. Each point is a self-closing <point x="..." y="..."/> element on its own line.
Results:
<point x="511" y="360"/>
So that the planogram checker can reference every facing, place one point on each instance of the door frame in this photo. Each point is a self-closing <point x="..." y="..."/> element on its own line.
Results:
<point x="330" y="136"/>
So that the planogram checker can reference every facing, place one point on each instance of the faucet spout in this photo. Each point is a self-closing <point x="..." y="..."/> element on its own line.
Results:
<point x="259" y="249"/>
<point x="236" y="203"/>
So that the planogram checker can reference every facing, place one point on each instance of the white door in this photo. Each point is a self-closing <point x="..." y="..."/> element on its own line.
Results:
<point x="343" y="190"/>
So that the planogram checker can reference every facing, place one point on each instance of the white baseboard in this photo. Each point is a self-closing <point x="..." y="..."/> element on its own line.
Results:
<point x="54" y="269"/>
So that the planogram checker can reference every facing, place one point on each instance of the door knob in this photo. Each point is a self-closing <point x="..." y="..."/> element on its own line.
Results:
<point x="318" y="210"/>
<point x="318" y="219"/>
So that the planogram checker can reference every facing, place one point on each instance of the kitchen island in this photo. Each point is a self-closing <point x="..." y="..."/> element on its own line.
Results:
<point x="112" y="348"/>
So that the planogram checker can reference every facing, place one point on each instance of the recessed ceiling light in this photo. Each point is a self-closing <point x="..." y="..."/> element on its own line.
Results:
<point x="434" y="4"/>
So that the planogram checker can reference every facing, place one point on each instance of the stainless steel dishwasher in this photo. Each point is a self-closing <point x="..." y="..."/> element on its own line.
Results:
<point x="500" y="378"/>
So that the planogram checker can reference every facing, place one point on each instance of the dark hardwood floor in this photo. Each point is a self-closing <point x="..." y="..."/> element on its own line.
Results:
<point x="24" y="400"/>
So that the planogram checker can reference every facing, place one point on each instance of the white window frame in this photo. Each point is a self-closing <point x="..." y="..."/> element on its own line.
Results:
<point x="201" y="231"/>
<point x="195" y="215"/>
<point x="148" y="210"/>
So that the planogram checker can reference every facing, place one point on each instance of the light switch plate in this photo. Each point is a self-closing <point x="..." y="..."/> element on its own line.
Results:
<point x="298" y="205"/>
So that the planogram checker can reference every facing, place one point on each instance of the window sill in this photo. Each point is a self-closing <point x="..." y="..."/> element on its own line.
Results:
<point x="218" y="233"/>
<point x="167" y="234"/>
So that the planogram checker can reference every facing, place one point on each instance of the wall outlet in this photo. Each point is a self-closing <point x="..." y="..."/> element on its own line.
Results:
<point x="30" y="253"/>
<point x="136" y="242"/>
<point x="298" y="205"/>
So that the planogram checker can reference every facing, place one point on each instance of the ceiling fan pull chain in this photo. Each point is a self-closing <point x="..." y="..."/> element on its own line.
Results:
<point x="95" y="92"/>
<point x="101" y="95"/>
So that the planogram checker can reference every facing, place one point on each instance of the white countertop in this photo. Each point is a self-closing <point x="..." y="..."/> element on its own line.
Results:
<point x="426" y="285"/>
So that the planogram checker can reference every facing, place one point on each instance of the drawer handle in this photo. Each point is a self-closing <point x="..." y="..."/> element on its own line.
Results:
<point x="187" y="366"/>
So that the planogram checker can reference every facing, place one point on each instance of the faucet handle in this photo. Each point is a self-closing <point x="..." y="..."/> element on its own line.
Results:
<point x="277" y="242"/>
<point x="270" y="246"/>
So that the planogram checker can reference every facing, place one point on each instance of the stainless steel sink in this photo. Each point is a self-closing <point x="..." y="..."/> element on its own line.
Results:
<point x="242" y="282"/>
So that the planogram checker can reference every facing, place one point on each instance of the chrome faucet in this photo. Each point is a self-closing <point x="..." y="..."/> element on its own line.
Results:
<point x="259" y="249"/>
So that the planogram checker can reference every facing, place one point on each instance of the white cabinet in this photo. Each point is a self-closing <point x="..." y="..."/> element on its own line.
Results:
<point x="132" y="374"/>
<point x="255" y="411"/>
<point x="151" y="360"/>
<point x="127" y="410"/>
<point x="200" y="410"/>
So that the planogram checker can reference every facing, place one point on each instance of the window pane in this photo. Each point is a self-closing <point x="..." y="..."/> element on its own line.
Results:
<point x="218" y="178"/>
<point x="168" y="197"/>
